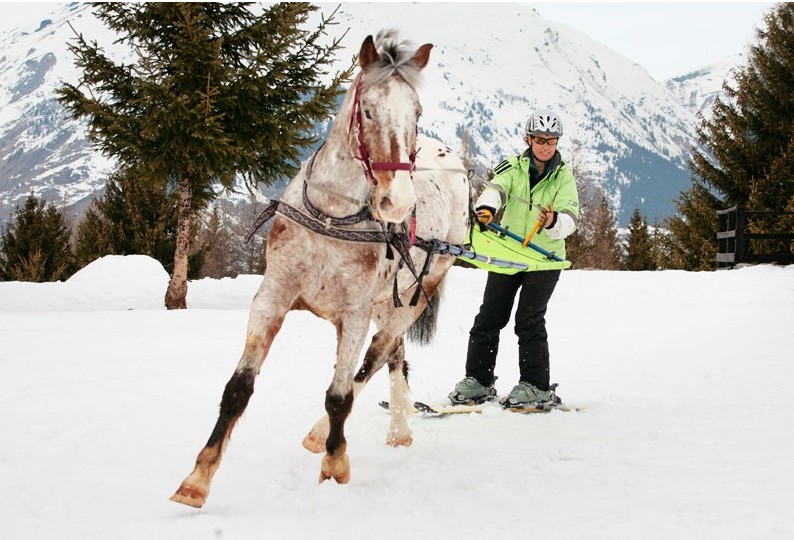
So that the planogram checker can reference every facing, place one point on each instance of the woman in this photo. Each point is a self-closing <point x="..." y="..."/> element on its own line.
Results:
<point x="536" y="186"/>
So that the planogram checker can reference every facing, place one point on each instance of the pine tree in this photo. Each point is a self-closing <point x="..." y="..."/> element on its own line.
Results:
<point x="222" y="239"/>
<point x="35" y="246"/>
<point x="606" y="251"/>
<point x="216" y="92"/>
<point x="660" y="247"/>
<point x="746" y="159"/>
<point x="216" y="243"/>
<point x="692" y="242"/>
<point x="252" y="253"/>
<point x="595" y="243"/>
<point x="579" y="245"/>
<point x="639" y="250"/>
<point x="479" y="174"/>
<point x="130" y="217"/>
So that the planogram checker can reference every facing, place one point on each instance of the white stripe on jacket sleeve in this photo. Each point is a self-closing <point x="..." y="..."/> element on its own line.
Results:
<point x="563" y="228"/>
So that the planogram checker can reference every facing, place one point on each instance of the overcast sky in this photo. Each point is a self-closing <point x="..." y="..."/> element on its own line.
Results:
<point x="668" y="39"/>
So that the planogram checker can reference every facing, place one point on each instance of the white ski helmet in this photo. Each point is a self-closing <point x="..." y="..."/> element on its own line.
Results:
<point x="544" y="122"/>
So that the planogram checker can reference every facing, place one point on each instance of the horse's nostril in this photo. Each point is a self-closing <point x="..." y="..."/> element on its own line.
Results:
<point x="386" y="204"/>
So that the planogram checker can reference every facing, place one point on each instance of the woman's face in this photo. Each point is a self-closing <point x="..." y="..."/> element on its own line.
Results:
<point x="542" y="147"/>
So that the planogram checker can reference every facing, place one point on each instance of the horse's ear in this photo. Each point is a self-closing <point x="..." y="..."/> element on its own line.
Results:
<point x="422" y="55"/>
<point x="368" y="53"/>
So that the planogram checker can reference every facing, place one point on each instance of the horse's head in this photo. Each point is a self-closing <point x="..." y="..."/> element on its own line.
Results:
<point x="384" y="122"/>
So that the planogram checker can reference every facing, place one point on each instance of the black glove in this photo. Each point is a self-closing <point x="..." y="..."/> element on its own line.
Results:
<point x="485" y="214"/>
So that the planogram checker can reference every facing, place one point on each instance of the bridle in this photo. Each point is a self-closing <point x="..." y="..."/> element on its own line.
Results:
<point x="355" y="131"/>
<point x="356" y="128"/>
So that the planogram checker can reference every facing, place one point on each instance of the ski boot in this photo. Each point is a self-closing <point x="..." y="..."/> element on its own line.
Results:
<point x="525" y="395"/>
<point x="469" y="391"/>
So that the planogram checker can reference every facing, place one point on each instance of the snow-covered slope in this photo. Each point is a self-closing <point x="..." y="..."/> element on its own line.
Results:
<point x="624" y="129"/>
<point x="107" y="398"/>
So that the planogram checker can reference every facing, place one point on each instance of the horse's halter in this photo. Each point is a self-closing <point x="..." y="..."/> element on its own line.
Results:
<point x="367" y="164"/>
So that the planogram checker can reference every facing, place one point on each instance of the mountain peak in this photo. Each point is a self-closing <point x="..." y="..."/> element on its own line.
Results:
<point x="629" y="133"/>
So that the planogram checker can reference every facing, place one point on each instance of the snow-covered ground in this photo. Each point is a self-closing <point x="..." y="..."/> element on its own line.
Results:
<point x="687" y="433"/>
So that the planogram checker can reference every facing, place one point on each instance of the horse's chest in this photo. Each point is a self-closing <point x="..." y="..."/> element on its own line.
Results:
<point x="348" y="276"/>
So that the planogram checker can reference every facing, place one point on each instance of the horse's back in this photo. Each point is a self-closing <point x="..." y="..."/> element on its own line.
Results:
<point x="442" y="186"/>
<point x="435" y="156"/>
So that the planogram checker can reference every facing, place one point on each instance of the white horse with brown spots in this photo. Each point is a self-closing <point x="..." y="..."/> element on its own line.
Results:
<point x="342" y="246"/>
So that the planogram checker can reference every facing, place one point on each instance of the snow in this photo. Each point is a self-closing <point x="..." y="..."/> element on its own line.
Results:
<point x="686" y="380"/>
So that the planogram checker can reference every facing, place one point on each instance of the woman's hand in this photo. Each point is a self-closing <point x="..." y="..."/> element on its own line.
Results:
<point x="547" y="215"/>
<point x="485" y="214"/>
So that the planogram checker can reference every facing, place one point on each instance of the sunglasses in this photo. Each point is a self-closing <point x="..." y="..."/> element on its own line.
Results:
<point x="542" y="142"/>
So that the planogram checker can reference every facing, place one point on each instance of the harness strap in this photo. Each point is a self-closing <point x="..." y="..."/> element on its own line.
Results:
<point x="394" y="241"/>
<point x="395" y="292"/>
<point x="386" y="232"/>
<point x="391" y="166"/>
<point x="362" y="215"/>
<point x="329" y="191"/>
<point x="315" y="225"/>
<point x="420" y="281"/>
<point x="264" y="217"/>
<point x="402" y="247"/>
<point x="427" y="169"/>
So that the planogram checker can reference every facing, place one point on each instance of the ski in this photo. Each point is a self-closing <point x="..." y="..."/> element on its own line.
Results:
<point x="441" y="410"/>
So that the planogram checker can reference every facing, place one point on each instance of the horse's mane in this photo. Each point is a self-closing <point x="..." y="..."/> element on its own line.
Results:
<point x="395" y="56"/>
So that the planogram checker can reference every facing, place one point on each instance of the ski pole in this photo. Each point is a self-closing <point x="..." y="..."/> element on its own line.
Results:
<point x="535" y="228"/>
<point x="537" y="225"/>
<point x="514" y="236"/>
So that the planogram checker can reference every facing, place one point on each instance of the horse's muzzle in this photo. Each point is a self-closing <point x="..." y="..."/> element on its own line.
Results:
<point x="397" y="202"/>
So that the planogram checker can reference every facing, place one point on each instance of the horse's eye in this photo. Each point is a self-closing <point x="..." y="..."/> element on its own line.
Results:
<point x="366" y="113"/>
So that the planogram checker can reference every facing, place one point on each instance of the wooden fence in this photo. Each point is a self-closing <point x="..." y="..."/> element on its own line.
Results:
<point x="735" y="245"/>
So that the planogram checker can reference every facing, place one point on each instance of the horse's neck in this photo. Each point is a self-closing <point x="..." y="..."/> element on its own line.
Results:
<point x="336" y="170"/>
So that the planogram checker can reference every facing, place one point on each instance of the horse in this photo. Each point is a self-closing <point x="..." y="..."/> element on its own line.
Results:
<point x="393" y="188"/>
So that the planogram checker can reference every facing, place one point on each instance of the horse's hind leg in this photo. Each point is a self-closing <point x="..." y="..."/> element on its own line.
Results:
<point x="386" y="347"/>
<point x="378" y="353"/>
<point x="267" y="315"/>
<point x="400" y="320"/>
<point x="399" y="433"/>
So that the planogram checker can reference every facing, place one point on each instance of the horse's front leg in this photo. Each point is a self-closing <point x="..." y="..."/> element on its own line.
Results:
<point x="351" y="330"/>
<point x="267" y="314"/>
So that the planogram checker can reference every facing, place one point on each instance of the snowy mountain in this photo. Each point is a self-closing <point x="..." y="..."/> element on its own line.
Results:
<point x="698" y="90"/>
<point x="623" y="129"/>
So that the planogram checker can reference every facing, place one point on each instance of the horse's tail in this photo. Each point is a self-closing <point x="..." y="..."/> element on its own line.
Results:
<point x="423" y="329"/>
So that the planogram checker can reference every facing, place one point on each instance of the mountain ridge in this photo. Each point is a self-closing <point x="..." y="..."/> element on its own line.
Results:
<point x="626" y="131"/>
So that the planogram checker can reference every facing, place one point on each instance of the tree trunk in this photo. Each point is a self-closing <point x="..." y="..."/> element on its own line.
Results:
<point x="176" y="295"/>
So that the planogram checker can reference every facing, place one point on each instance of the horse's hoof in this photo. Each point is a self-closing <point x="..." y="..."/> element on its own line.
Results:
<point x="190" y="495"/>
<point x="314" y="443"/>
<point x="343" y="478"/>
<point x="400" y="441"/>
<point x="338" y="469"/>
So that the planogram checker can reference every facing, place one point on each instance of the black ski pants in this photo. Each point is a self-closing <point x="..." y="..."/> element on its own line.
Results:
<point x="530" y="325"/>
